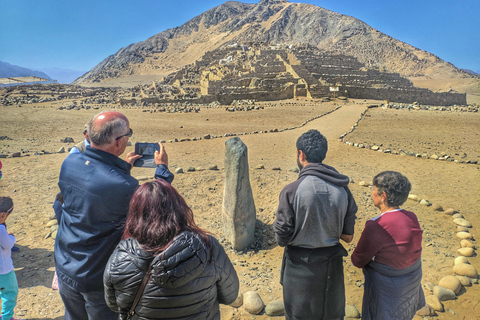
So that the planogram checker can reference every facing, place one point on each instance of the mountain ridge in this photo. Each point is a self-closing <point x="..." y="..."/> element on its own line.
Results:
<point x="10" y="70"/>
<point x="270" y="21"/>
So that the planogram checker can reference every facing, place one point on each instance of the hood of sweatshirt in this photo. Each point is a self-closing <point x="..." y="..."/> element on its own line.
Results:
<point x="326" y="173"/>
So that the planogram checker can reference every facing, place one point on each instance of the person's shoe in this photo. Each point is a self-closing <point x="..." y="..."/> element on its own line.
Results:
<point x="15" y="249"/>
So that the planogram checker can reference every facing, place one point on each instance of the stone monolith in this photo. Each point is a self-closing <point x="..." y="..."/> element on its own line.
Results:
<point x="238" y="209"/>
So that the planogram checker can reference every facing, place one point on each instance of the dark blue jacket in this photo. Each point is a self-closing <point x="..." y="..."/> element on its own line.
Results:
<point x="96" y="188"/>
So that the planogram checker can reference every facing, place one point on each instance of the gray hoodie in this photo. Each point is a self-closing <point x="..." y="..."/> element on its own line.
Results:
<point x="316" y="209"/>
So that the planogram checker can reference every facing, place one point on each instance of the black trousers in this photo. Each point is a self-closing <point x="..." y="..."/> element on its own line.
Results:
<point x="85" y="306"/>
<point x="313" y="283"/>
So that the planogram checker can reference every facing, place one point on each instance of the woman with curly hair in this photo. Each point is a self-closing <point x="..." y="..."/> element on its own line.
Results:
<point x="389" y="251"/>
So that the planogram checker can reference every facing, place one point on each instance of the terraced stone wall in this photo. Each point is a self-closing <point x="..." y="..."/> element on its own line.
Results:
<point x="422" y="96"/>
<point x="279" y="93"/>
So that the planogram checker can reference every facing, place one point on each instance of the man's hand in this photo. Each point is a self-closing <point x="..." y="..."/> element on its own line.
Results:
<point x="162" y="156"/>
<point x="131" y="157"/>
<point x="347" y="237"/>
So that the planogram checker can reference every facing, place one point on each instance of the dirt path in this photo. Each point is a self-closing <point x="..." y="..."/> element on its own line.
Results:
<point x="32" y="182"/>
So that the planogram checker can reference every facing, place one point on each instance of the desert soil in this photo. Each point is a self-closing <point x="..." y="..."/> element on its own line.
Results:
<point x="31" y="180"/>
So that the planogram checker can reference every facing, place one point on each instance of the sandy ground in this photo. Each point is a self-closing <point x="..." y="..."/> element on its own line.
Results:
<point x="32" y="183"/>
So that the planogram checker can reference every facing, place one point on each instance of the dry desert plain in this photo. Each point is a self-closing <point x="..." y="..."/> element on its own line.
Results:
<point x="31" y="180"/>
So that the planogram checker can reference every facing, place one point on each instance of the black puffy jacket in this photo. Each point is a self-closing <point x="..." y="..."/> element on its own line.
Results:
<point x="187" y="280"/>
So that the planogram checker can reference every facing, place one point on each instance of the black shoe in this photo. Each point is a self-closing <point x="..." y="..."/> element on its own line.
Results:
<point x="15" y="249"/>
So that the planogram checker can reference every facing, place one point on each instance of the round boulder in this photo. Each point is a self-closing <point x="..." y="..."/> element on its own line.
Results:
<point x="238" y="302"/>
<point x="451" y="283"/>
<point x="450" y="211"/>
<point x="466" y="244"/>
<point x="52" y="222"/>
<point x="462" y="222"/>
<point x="464" y="269"/>
<point x="465" y="281"/>
<point x="275" y="308"/>
<point x="462" y="259"/>
<point x="414" y="197"/>
<point x="466" y="252"/>
<point x="352" y="312"/>
<point x="457" y="216"/>
<point x="464" y="235"/>
<point x="434" y="303"/>
<point x="252" y="302"/>
<point x="437" y="207"/>
<point x="426" y="311"/>
<point x="179" y="170"/>
<point x="443" y="294"/>
<point x="67" y="140"/>
<point x="425" y="202"/>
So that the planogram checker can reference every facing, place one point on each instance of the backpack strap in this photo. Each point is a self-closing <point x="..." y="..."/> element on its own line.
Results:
<point x="139" y="292"/>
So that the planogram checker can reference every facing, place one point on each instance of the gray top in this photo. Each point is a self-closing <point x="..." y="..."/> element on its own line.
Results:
<point x="315" y="210"/>
<point x="320" y="209"/>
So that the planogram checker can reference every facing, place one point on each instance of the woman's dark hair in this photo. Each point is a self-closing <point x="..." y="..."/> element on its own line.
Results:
<point x="6" y="203"/>
<point x="395" y="185"/>
<point x="157" y="214"/>
<point x="314" y="145"/>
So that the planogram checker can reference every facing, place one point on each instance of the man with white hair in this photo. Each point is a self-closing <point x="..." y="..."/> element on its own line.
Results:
<point x="97" y="187"/>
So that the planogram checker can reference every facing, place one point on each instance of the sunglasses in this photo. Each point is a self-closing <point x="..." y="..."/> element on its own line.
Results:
<point x="10" y="210"/>
<point x="129" y="134"/>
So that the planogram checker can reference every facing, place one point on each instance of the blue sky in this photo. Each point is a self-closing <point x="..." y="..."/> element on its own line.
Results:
<point x="80" y="34"/>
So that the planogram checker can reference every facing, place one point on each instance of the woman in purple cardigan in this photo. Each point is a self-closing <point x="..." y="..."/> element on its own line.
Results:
<point x="389" y="251"/>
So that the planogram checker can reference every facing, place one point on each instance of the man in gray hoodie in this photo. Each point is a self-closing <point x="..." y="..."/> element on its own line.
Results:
<point x="314" y="213"/>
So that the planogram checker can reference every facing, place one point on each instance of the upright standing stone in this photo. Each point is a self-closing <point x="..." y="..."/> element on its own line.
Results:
<point x="238" y="206"/>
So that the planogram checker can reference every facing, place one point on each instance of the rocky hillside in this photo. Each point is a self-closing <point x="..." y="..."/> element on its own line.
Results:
<point x="272" y="21"/>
